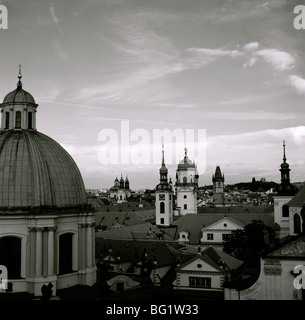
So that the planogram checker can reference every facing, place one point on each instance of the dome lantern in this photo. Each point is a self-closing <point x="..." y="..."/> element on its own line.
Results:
<point x="18" y="109"/>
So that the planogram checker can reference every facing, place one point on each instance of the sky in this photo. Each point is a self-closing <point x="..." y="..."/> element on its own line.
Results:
<point x="116" y="79"/>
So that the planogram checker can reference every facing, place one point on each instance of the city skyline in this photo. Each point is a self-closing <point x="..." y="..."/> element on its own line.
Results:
<point x="233" y="69"/>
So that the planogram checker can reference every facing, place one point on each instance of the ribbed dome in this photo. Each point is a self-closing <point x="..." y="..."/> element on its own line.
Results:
<point x="18" y="96"/>
<point x="36" y="172"/>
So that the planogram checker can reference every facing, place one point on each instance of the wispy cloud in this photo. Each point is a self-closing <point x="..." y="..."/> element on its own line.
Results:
<point x="54" y="18"/>
<point x="60" y="53"/>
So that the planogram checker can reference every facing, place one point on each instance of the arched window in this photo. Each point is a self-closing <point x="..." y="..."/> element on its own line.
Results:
<point x="7" y="120"/>
<point x="10" y="255"/>
<point x="65" y="253"/>
<point x="30" y="120"/>
<point x="285" y="211"/>
<point x="296" y="223"/>
<point x="18" y="120"/>
<point x="162" y="207"/>
<point x="184" y="180"/>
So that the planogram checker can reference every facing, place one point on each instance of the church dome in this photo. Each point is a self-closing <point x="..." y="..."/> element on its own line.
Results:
<point x="36" y="172"/>
<point x="186" y="162"/>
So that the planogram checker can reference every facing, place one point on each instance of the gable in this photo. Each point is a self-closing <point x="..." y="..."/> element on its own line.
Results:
<point x="225" y="224"/>
<point x="198" y="264"/>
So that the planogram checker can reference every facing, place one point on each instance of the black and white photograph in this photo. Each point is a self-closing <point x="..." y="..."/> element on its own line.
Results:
<point x="152" y="150"/>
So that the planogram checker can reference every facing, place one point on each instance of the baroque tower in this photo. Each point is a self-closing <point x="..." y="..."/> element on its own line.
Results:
<point x="164" y="198"/>
<point x="186" y="186"/>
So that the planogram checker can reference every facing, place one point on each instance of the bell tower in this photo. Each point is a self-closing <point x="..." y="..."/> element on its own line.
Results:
<point x="164" y="198"/>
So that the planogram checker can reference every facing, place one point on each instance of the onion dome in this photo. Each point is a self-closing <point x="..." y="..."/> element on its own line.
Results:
<point x="36" y="172"/>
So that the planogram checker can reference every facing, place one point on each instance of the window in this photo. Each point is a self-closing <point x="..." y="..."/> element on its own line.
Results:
<point x="30" y="120"/>
<point x="197" y="282"/>
<point x="162" y="221"/>
<point x="162" y="207"/>
<point x="170" y="197"/>
<point x="7" y="120"/>
<point x="18" y="120"/>
<point x="210" y="236"/>
<point x="296" y="224"/>
<point x="185" y="206"/>
<point x="184" y="180"/>
<point x="185" y="196"/>
<point x="285" y="211"/>
<point x="225" y="236"/>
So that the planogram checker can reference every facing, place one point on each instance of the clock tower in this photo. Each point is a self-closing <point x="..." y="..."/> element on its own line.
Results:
<point x="164" y="198"/>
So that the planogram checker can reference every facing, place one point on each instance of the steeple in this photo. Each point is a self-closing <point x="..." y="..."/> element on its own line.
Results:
<point x="163" y="170"/>
<point x="285" y="188"/>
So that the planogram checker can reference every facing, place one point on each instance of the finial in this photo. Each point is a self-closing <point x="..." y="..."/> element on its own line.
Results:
<point x="19" y="84"/>
<point x="185" y="151"/>
<point x="284" y="151"/>
<point x="163" y="155"/>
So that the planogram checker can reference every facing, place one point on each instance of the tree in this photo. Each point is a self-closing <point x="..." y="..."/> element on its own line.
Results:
<point x="249" y="242"/>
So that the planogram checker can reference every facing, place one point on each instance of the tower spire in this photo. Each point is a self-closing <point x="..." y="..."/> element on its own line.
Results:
<point x="19" y="84"/>
<point x="284" y="151"/>
<point x="163" y="164"/>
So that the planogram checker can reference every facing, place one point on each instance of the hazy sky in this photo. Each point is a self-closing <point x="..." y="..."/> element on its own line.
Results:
<point x="233" y="70"/>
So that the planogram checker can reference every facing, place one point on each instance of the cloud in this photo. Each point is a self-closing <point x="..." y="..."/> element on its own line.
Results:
<point x="251" y="46"/>
<point x="250" y="63"/>
<point x="280" y="60"/>
<point x="297" y="83"/>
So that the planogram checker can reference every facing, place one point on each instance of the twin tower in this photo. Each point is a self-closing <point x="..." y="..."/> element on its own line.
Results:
<point x="185" y="190"/>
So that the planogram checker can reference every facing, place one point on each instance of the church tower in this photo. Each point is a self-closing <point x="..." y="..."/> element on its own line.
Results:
<point x="186" y="186"/>
<point x="164" y="198"/>
<point x="218" y="181"/>
<point x="285" y="193"/>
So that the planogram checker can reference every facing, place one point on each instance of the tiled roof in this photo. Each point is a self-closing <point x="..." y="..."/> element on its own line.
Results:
<point x="193" y="223"/>
<point x="298" y="200"/>
<point x="106" y="220"/>
<point x="133" y="250"/>
<point x="134" y="232"/>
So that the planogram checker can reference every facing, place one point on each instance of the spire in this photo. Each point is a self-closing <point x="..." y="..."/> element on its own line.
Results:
<point x="185" y="152"/>
<point x="163" y="164"/>
<point x="284" y="151"/>
<point x="19" y="84"/>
